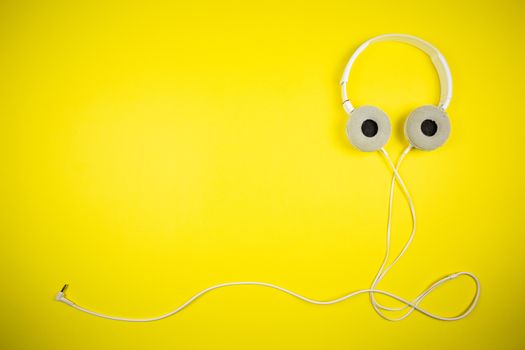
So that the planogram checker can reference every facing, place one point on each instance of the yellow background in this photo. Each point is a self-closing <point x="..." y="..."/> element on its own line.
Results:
<point x="151" y="150"/>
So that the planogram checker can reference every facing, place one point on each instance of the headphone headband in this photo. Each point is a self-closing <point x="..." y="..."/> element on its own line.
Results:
<point x="441" y="65"/>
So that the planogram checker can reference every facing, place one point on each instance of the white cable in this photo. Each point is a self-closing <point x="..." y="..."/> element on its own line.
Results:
<point x="384" y="270"/>
<point x="413" y="305"/>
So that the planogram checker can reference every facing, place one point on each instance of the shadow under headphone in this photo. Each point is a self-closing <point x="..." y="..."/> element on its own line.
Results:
<point x="368" y="129"/>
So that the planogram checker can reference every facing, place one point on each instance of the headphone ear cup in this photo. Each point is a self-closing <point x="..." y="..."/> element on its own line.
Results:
<point x="427" y="127"/>
<point x="368" y="128"/>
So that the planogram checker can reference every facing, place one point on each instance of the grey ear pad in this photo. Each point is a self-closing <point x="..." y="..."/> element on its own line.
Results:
<point x="368" y="128"/>
<point x="427" y="127"/>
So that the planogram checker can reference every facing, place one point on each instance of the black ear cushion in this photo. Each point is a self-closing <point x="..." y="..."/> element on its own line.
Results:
<point x="368" y="128"/>
<point x="427" y="127"/>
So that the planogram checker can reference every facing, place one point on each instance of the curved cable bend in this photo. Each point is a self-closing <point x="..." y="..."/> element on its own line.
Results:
<point x="413" y="305"/>
<point x="62" y="298"/>
<point x="384" y="270"/>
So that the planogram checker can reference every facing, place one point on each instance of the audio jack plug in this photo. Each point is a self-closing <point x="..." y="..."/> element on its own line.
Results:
<point x="61" y="296"/>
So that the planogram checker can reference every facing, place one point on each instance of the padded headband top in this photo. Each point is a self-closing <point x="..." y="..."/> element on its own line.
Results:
<point x="445" y="78"/>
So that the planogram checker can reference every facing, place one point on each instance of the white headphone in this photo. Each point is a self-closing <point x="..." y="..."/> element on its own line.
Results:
<point x="426" y="128"/>
<point x="368" y="129"/>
